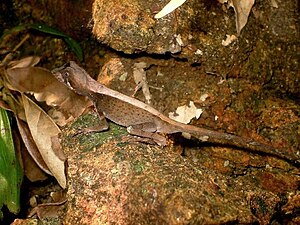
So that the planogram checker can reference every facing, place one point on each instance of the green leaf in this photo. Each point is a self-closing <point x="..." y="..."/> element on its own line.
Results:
<point x="10" y="170"/>
<point x="74" y="46"/>
<point x="46" y="29"/>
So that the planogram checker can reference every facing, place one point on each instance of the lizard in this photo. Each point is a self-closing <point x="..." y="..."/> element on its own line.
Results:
<point x="142" y="120"/>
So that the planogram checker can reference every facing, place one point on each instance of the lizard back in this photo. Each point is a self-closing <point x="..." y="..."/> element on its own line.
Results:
<point x="126" y="114"/>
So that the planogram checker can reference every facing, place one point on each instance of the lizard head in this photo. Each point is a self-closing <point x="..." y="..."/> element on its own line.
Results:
<point x="73" y="76"/>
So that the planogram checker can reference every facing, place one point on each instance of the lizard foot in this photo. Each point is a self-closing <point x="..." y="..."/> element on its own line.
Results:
<point x="157" y="138"/>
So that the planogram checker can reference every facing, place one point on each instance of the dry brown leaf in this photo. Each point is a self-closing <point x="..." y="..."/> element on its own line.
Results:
<point x="186" y="113"/>
<point x="242" y="10"/>
<point x="45" y="87"/>
<point x="229" y="40"/>
<point x="43" y="129"/>
<point x="3" y="105"/>
<point x="47" y="210"/>
<point x="274" y="4"/>
<point x="39" y="135"/>
<point x="139" y="76"/>
<point x="31" y="146"/>
<point x="31" y="170"/>
<point x="25" y="62"/>
<point x="170" y="7"/>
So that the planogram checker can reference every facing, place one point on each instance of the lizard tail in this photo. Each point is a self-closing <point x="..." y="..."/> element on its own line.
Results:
<point x="216" y="137"/>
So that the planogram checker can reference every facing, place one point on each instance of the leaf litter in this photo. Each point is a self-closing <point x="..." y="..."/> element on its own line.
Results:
<point x="38" y="130"/>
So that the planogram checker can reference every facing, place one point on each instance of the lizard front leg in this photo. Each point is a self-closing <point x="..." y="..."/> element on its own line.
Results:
<point x="101" y="125"/>
<point x="147" y="130"/>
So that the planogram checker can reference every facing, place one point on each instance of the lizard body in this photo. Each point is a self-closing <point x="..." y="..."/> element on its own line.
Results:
<point x="143" y="120"/>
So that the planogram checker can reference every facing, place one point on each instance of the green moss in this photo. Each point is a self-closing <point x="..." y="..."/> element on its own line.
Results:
<point x="119" y="156"/>
<point x="88" y="141"/>
<point x="138" y="166"/>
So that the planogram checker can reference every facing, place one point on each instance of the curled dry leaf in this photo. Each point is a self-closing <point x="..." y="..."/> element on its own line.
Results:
<point x="3" y="105"/>
<point x="45" y="87"/>
<point x="170" y="7"/>
<point x="40" y="136"/>
<point x="25" y="62"/>
<point x="31" y="146"/>
<point x="139" y="76"/>
<point x="47" y="210"/>
<point x="229" y="40"/>
<point x="186" y="113"/>
<point x="274" y="4"/>
<point x="31" y="170"/>
<point x="43" y="129"/>
<point x="242" y="9"/>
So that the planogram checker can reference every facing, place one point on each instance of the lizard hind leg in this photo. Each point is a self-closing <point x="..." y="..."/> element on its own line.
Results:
<point x="147" y="130"/>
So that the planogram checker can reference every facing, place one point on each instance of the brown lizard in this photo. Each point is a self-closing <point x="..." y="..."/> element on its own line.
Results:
<point x="145" y="121"/>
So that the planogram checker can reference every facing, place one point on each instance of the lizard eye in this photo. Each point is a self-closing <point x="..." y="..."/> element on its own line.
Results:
<point x="66" y="76"/>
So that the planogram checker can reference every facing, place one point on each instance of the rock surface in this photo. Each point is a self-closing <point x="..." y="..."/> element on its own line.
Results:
<point x="122" y="183"/>
<point x="266" y="48"/>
